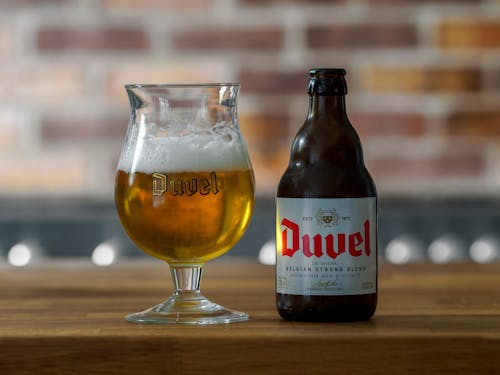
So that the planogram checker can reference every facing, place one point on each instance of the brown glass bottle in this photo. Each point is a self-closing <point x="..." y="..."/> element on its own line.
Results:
<point x="326" y="161"/>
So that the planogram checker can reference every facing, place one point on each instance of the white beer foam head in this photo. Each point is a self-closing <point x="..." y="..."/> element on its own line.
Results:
<point x="191" y="153"/>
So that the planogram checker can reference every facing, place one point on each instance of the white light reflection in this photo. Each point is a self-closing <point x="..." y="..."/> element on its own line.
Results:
<point x="138" y="148"/>
<point x="485" y="249"/>
<point x="404" y="249"/>
<point x="267" y="254"/>
<point x="104" y="255"/>
<point x="20" y="255"/>
<point x="446" y="249"/>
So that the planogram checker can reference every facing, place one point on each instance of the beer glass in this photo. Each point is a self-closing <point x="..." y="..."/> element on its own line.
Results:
<point x="184" y="189"/>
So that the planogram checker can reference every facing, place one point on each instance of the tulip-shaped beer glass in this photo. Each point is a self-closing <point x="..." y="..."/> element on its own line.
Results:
<point x="184" y="189"/>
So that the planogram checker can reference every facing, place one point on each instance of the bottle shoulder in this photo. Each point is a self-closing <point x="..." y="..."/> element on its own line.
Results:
<point x="326" y="181"/>
<point x="332" y="141"/>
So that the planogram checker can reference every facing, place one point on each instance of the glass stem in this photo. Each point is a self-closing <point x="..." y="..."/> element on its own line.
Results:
<point x="186" y="279"/>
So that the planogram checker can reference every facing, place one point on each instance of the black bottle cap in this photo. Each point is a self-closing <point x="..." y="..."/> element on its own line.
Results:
<point x="327" y="82"/>
<point x="327" y="71"/>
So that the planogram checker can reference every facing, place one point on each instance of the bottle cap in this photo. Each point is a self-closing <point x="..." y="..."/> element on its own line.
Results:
<point x="327" y="71"/>
<point x="327" y="82"/>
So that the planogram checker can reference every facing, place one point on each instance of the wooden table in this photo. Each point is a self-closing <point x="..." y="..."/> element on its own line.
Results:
<point x="67" y="318"/>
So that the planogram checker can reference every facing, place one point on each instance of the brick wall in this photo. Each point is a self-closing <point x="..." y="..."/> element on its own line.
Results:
<point x="424" y="80"/>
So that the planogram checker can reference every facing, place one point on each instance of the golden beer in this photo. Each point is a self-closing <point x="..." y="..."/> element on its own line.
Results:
<point x="185" y="217"/>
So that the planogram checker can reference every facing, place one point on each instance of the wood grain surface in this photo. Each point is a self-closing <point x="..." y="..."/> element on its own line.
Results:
<point x="67" y="318"/>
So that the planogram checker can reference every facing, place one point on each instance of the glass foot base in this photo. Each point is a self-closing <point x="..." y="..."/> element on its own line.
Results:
<point x="187" y="308"/>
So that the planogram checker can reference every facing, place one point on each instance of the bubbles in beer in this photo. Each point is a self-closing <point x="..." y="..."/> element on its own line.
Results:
<point x="220" y="147"/>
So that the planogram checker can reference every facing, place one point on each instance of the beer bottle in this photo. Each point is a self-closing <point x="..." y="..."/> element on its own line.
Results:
<point x="326" y="215"/>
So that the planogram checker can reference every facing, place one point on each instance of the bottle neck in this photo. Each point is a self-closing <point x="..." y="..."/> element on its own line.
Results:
<point x="329" y="106"/>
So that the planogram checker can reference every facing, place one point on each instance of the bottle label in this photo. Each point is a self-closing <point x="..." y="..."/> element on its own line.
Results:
<point x="326" y="246"/>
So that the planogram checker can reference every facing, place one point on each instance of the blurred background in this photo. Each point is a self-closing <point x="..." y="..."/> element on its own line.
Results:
<point x="424" y="80"/>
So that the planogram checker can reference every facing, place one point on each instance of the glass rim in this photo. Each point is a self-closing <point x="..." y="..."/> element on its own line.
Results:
<point x="180" y="85"/>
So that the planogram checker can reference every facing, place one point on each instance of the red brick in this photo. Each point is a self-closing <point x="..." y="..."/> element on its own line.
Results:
<point x="388" y="124"/>
<point x="491" y="79"/>
<point x="361" y="36"/>
<point x="163" y="71"/>
<point x="421" y="79"/>
<point x="7" y="42"/>
<point x="295" y="2"/>
<point x="269" y="82"/>
<point x="157" y="5"/>
<point x="264" y="131"/>
<point x="478" y="124"/>
<point x="262" y="38"/>
<point x="87" y="128"/>
<point x="442" y="166"/>
<point x="422" y="2"/>
<point x="468" y="34"/>
<point x="42" y="83"/>
<point x="267" y="138"/>
<point x="268" y="167"/>
<point x="103" y="39"/>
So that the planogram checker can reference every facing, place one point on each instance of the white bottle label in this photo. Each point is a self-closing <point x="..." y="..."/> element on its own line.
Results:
<point x="326" y="246"/>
